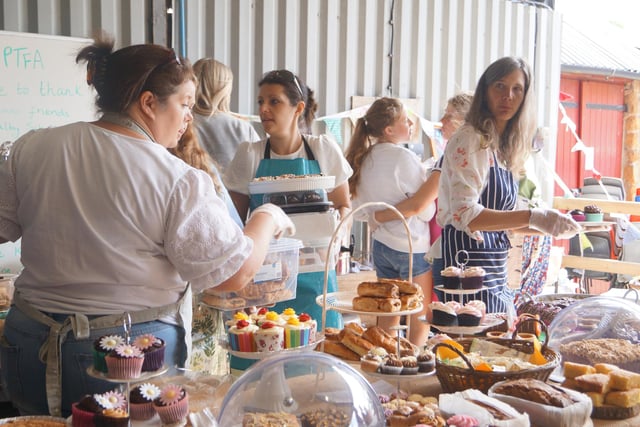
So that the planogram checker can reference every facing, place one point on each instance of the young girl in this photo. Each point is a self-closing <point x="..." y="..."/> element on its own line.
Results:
<point x="385" y="171"/>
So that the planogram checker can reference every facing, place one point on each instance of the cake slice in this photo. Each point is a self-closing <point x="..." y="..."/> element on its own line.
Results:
<point x="598" y="383"/>
<point x="621" y="379"/>
<point x="605" y="368"/>
<point x="597" y="399"/>
<point x="572" y="370"/>
<point x="625" y="399"/>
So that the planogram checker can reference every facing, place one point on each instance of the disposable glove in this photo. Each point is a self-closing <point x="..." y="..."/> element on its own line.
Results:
<point x="284" y="225"/>
<point x="371" y="221"/>
<point x="550" y="221"/>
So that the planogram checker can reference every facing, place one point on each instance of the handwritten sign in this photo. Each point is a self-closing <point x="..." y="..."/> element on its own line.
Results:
<point x="40" y="86"/>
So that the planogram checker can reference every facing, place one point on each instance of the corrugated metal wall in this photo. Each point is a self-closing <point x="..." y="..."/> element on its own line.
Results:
<point x="424" y="49"/>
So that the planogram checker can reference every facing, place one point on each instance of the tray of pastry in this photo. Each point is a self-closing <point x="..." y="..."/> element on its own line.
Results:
<point x="257" y="355"/>
<point x="342" y="302"/>
<point x="490" y="320"/>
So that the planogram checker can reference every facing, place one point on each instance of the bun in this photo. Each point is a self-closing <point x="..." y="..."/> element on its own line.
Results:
<point x="380" y="338"/>
<point x="338" y="349"/>
<point x="378" y="289"/>
<point x="370" y="304"/>
<point x="354" y="327"/>
<point x="404" y="286"/>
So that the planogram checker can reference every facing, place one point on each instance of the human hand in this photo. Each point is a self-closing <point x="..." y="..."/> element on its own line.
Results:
<point x="550" y="221"/>
<point x="284" y="225"/>
<point x="371" y="221"/>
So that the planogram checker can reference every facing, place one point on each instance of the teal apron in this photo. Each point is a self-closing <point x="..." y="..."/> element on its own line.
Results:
<point x="310" y="285"/>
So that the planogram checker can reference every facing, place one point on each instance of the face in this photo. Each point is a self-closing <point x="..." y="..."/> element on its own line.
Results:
<point x="174" y="115"/>
<point x="451" y="120"/>
<point x="278" y="116"/>
<point x="400" y="130"/>
<point x="505" y="97"/>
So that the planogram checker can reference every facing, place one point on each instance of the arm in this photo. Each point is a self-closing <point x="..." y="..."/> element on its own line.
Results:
<point x="415" y="204"/>
<point x="340" y="198"/>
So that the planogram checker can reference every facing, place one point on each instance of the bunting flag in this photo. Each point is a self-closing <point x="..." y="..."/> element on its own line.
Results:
<point x="589" y="152"/>
<point x="334" y="126"/>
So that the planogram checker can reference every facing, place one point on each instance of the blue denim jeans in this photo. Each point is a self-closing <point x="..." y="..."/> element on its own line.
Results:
<point x="23" y="374"/>
<point x="392" y="264"/>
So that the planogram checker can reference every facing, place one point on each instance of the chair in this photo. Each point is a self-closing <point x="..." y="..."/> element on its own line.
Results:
<point x="601" y="242"/>
<point x="614" y="187"/>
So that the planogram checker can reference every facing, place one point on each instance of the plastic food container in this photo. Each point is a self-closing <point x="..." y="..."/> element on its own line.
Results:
<point x="306" y="387"/>
<point x="296" y="194"/>
<point x="275" y="281"/>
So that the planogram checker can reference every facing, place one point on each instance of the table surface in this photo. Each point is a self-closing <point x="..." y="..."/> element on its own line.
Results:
<point x="430" y="386"/>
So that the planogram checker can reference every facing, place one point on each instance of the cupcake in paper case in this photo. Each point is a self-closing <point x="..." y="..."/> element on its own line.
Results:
<point x="391" y="365"/>
<point x="426" y="361"/>
<point x="472" y="278"/>
<point x="114" y="412"/>
<point x="153" y="349"/>
<point x="296" y="333"/>
<point x="101" y="347"/>
<point x="313" y="325"/>
<point x="409" y="365"/>
<point x="480" y="305"/>
<point x="273" y="317"/>
<point x="288" y="313"/>
<point x="237" y="316"/>
<point x="451" y="277"/>
<point x="241" y="336"/>
<point x="259" y="316"/>
<point x="125" y="362"/>
<point x="455" y="305"/>
<point x="173" y="404"/>
<point x="442" y="314"/>
<point x="84" y="411"/>
<point x="469" y="316"/>
<point x="141" y="399"/>
<point x="269" y="337"/>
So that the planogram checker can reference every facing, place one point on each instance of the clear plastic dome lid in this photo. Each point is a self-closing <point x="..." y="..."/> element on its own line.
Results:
<point x="305" y="385"/>
<point x="596" y="318"/>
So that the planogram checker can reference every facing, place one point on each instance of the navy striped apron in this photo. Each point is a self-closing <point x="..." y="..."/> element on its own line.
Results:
<point x="501" y="193"/>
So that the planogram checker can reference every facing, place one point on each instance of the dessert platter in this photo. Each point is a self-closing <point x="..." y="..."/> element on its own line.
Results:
<point x="342" y="302"/>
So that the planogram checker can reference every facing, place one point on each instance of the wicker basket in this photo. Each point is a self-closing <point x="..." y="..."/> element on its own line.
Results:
<point x="453" y="378"/>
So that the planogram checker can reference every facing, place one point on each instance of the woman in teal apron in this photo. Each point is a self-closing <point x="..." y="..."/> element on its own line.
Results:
<point x="478" y="188"/>
<point x="286" y="107"/>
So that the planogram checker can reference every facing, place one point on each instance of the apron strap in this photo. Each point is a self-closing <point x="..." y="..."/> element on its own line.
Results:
<point x="51" y="350"/>
<point x="307" y="149"/>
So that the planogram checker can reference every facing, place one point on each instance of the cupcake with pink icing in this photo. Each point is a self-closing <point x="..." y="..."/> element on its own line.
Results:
<point x="172" y="405"/>
<point x="462" y="421"/>
<point x="472" y="278"/>
<point x="469" y="316"/>
<point x="443" y="314"/>
<point x="455" y="305"/>
<point x="241" y="336"/>
<point x="269" y="337"/>
<point x="296" y="333"/>
<point x="451" y="277"/>
<point x="480" y="305"/>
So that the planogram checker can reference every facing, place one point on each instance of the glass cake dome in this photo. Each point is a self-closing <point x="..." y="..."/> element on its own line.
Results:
<point x="306" y="385"/>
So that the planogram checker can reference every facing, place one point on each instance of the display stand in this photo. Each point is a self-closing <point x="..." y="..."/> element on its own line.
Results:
<point x="341" y="301"/>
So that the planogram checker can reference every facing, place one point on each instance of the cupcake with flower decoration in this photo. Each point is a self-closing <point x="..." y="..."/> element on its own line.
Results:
<point x="101" y="347"/>
<point x="241" y="336"/>
<point x="84" y="411"/>
<point x="141" y="399"/>
<point x="311" y="323"/>
<point x="114" y="413"/>
<point x="153" y="349"/>
<point x="296" y="333"/>
<point x="125" y="362"/>
<point x="269" y="337"/>
<point x="173" y="404"/>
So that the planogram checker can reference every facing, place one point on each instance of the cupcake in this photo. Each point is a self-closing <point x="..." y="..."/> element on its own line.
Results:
<point x="141" y="401"/>
<point x="426" y="361"/>
<point x="455" y="305"/>
<point x="469" y="316"/>
<point x="577" y="215"/>
<point x="480" y="305"/>
<point x="173" y="404"/>
<point x="114" y="412"/>
<point x="472" y="278"/>
<point x="391" y="366"/>
<point x="311" y="323"/>
<point x="153" y="349"/>
<point x="269" y="337"/>
<point x="460" y="420"/>
<point x="125" y="362"/>
<point x="101" y="347"/>
<point x="237" y="316"/>
<point x="443" y="315"/>
<point x="258" y="316"/>
<point x="451" y="277"/>
<point x="241" y="336"/>
<point x="409" y="365"/>
<point x="84" y="411"/>
<point x="370" y="362"/>
<point x="288" y="313"/>
<point x="273" y="317"/>
<point x="296" y="333"/>
<point x="593" y="213"/>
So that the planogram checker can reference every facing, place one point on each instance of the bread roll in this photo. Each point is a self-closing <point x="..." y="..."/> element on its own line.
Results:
<point x="380" y="305"/>
<point x="380" y="338"/>
<point x="338" y="349"/>
<point x="378" y="289"/>
<point x="404" y="286"/>
<point x="409" y="302"/>
<point x="354" y="327"/>
<point x="357" y="344"/>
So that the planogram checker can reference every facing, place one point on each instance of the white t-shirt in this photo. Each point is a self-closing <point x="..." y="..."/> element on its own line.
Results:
<point x="111" y="223"/>
<point x="391" y="173"/>
<point x="244" y="165"/>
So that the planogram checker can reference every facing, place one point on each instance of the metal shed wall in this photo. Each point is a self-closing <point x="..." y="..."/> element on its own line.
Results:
<point x="424" y="49"/>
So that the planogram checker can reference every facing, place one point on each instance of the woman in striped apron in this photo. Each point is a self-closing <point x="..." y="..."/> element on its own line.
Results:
<point x="479" y="180"/>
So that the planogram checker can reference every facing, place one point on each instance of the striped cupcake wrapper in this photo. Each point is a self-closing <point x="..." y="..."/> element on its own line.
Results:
<point x="242" y="342"/>
<point x="296" y="337"/>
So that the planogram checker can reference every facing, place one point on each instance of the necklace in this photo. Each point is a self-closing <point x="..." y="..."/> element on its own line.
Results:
<point x="127" y="122"/>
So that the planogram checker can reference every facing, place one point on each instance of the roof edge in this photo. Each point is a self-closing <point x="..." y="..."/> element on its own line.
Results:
<point x="605" y="72"/>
